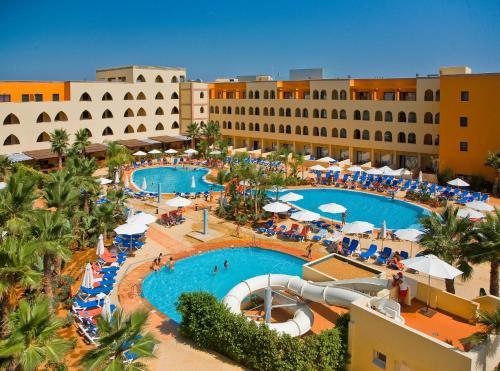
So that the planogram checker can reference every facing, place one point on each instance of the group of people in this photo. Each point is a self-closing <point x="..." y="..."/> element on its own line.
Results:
<point x="159" y="262"/>
<point x="226" y="266"/>
<point x="395" y="261"/>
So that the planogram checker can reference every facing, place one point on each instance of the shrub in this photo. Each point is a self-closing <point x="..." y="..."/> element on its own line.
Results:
<point x="209" y="324"/>
<point x="445" y="176"/>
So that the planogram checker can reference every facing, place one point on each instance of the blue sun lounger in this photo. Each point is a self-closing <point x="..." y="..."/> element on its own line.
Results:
<point x="384" y="255"/>
<point x="320" y="235"/>
<point x="369" y="253"/>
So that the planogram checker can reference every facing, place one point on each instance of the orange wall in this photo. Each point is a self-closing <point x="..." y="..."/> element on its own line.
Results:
<point x="483" y="131"/>
<point x="17" y="88"/>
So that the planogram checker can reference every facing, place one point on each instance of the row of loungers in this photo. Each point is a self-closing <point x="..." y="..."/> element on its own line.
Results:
<point x="295" y="233"/>
<point x="257" y="161"/>
<point x="167" y="161"/>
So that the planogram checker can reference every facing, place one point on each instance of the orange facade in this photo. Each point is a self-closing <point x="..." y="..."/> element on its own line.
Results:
<point x="16" y="90"/>
<point x="469" y="128"/>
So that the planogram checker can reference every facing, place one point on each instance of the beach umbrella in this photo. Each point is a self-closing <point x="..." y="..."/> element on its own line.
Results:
<point x="215" y="152"/>
<point x="117" y="177"/>
<point x="130" y="212"/>
<point x="144" y="184"/>
<point x="88" y="278"/>
<point x="193" y="182"/>
<point x="100" y="246"/>
<point x="457" y="182"/>
<point x="469" y="213"/>
<point x="334" y="168"/>
<point x="154" y="152"/>
<point x="178" y="202"/>
<point x="432" y="266"/>
<point x="3" y="185"/>
<point x="409" y="234"/>
<point x="357" y="227"/>
<point x="141" y="218"/>
<point x="106" y="309"/>
<point x="355" y="169"/>
<point x="276" y="207"/>
<point x="327" y="159"/>
<point x="304" y="216"/>
<point x="139" y="153"/>
<point x="291" y="197"/>
<point x="479" y="206"/>
<point x="332" y="208"/>
<point x="104" y="181"/>
<point x="126" y="183"/>
<point x="317" y="168"/>
<point x="190" y="151"/>
<point x="373" y="171"/>
<point x="386" y="170"/>
<point x="420" y="176"/>
<point x="383" y="230"/>
<point x="170" y="151"/>
<point x="129" y="229"/>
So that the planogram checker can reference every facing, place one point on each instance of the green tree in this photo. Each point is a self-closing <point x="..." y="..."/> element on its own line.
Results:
<point x="81" y="171"/>
<point x="60" y="192"/>
<point x="447" y="237"/>
<point x="81" y="141"/>
<point x="194" y="131"/>
<point x="5" y="167"/>
<point x="33" y="339"/>
<point x="299" y="161"/>
<point x="490" y="323"/>
<point x="105" y="214"/>
<point x="59" y="142"/>
<point x="211" y="132"/>
<point x="86" y="230"/>
<point x="117" y="156"/>
<point x="493" y="161"/>
<point x="120" y="335"/>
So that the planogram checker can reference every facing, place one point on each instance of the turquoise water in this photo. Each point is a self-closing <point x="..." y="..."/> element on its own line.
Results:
<point x="363" y="207"/>
<point x="163" y="288"/>
<point x="173" y="179"/>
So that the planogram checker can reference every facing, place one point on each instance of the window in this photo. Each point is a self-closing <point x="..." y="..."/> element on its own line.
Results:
<point x="174" y="110"/>
<point x="388" y="116"/>
<point x="429" y="95"/>
<point x="401" y="137"/>
<point x="43" y="137"/>
<point x="107" y="114"/>
<point x="428" y="139"/>
<point x="322" y="95"/>
<point x="141" y="128"/>
<point x="266" y="128"/>
<point x="271" y="111"/>
<point x="129" y="129"/>
<point x="61" y="116"/>
<point x="256" y="95"/>
<point x="428" y="118"/>
<point x="272" y="128"/>
<point x="343" y="133"/>
<point x="305" y="130"/>
<point x="11" y="119"/>
<point x="237" y="125"/>
<point x="363" y="95"/>
<point x="357" y="115"/>
<point x="257" y="127"/>
<point x="436" y="118"/>
<point x="464" y="96"/>
<point x="202" y="110"/>
<point x="356" y="134"/>
<point x="107" y="131"/>
<point x="4" y="98"/>
<point x="174" y="95"/>
<point x="305" y="112"/>
<point x="315" y="131"/>
<point x="175" y="125"/>
<point x="174" y="79"/>
<point x="412" y="117"/>
<point x="298" y="130"/>
<point x="463" y="122"/>
<point x="387" y="136"/>
<point x="366" y="115"/>
<point x="85" y="97"/>
<point x="335" y="95"/>
<point x="288" y="129"/>
<point x="343" y="115"/>
<point x="343" y="95"/>
<point x="266" y="94"/>
<point x="464" y="147"/>
<point x="55" y="97"/>
<point x="378" y="116"/>
<point x="323" y="132"/>
<point x="107" y="96"/>
<point x="335" y="132"/>
<point x="412" y="138"/>
<point x="407" y="96"/>
<point x="365" y="135"/>
<point x="202" y="95"/>
<point x="256" y="111"/>
<point x="141" y="96"/>
<point x="288" y="112"/>
<point x="323" y="114"/>
<point x="141" y="112"/>
<point x="380" y="359"/>
<point x="11" y="140"/>
<point x="401" y="117"/>
<point x="438" y="95"/>
<point x="389" y="95"/>
<point x="85" y="115"/>
<point x="159" y="79"/>
<point x="128" y="96"/>
<point x="315" y="94"/>
<point x="159" y="111"/>
<point x="281" y="129"/>
<point x="378" y="136"/>
<point x="297" y="112"/>
<point x="140" y="78"/>
<point x="38" y="98"/>
<point x="25" y="98"/>
<point x="128" y="113"/>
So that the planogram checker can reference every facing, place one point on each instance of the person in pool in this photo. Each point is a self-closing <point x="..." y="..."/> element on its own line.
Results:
<point x="216" y="269"/>
<point x="171" y="264"/>
<point x="226" y="264"/>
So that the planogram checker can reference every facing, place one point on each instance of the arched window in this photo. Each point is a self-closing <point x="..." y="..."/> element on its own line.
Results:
<point x="266" y="128"/>
<point x="357" y="115"/>
<point x="61" y="116"/>
<point x="265" y="111"/>
<point x="159" y="127"/>
<point x="438" y="95"/>
<point x="378" y="136"/>
<point x="107" y="96"/>
<point x="305" y="113"/>
<point x="43" y="117"/>
<point x="365" y="135"/>
<point x="174" y="95"/>
<point x="366" y="115"/>
<point x="217" y="109"/>
<point x="323" y="114"/>
<point x="257" y="127"/>
<point x="281" y="129"/>
<point x="387" y="136"/>
<point x="271" y="111"/>
<point x="401" y="116"/>
<point x="229" y="110"/>
<point x="288" y="129"/>
<point x="141" y="96"/>
<point x="159" y="111"/>
<point x="11" y="119"/>
<point x="412" y="117"/>
<point x="343" y="95"/>
<point x="298" y="130"/>
<point x="128" y="113"/>
<point x="159" y="79"/>
<point x="107" y="114"/>
<point x="401" y="137"/>
<point x="436" y="140"/>
<point x="141" y="128"/>
<point x="323" y="132"/>
<point x="174" y="110"/>
<point x="429" y="95"/>
<point x="141" y="112"/>
<point x="378" y="116"/>
<point x="315" y="113"/>
<point x="175" y="125"/>
<point x="281" y="112"/>
<point x="288" y="112"/>
<point x="335" y="94"/>
<point x="89" y="133"/>
<point x="322" y="95"/>
<point x="11" y="140"/>
<point x="250" y="110"/>
<point x="315" y="94"/>
<point x="229" y="125"/>
<point x="202" y="95"/>
<point x="250" y="94"/>
<point x="85" y="97"/>
<point x="242" y="126"/>
<point x="388" y="116"/>
<point x="159" y="96"/>
<point x="43" y="137"/>
<point x="335" y="132"/>
<point x="107" y="131"/>
<point x="272" y="129"/>
<point x="428" y="118"/>
<point x="237" y="125"/>
<point x="256" y="95"/>
<point x="428" y="139"/>
<point x="266" y="94"/>
<point x="273" y="94"/>
<point x="174" y="79"/>
<point x="343" y="133"/>
<point x="412" y="138"/>
<point x="315" y="132"/>
<point x="236" y="110"/>
<point x="250" y="127"/>
<point x="436" y="118"/>
<point x="305" y="130"/>
<point x="224" y="110"/>
<point x="356" y="134"/>
<point x="128" y="96"/>
<point x="85" y="115"/>
<point x="202" y="110"/>
<point x="256" y="111"/>
<point x="140" y="78"/>
<point x="343" y="114"/>
<point x="129" y="129"/>
<point x="335" y="114"/>
<point x="297" y="112"/>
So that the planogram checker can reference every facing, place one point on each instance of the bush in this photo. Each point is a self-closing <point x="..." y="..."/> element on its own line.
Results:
<point x="445" y="176"/>
<point x="209" y="324"/>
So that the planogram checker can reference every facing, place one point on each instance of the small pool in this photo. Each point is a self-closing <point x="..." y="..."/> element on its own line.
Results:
<point x="363" y="207"/>
<point x="173" y="179"/>
<point x="195" y="273"/>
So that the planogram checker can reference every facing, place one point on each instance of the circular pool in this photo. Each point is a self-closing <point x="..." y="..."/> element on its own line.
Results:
<point x="196" y="273"/>
<point x="363" y="206"/>
<point x="174" y="179"/>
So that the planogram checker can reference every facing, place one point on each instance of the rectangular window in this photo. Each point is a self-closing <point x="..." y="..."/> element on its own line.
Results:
<point x="25" y="97"/>
<point x="38" y="97"/>
<point x="55" y="97"/>
<point x="408" y="96"/>
<point x="464" y="96"/>
<point x="464" y="147"/>
<point x="379" y="359"/>
<point x="4" y="98"/>
<point x="363" y="95"/>
<point x="389" y="95"/>
<point x="463" y="122"/>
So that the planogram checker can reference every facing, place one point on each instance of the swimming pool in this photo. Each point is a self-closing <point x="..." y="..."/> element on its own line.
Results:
<point x="363" y="207"/>
<point x="163" y="288"/>
<point x="173" y="179"/>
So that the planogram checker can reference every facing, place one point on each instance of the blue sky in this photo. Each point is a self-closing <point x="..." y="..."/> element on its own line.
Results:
<point x="68" y="40"/>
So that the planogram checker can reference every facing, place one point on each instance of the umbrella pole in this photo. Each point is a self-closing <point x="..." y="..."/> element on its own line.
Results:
<point x="428" y="294"/>
<point x="411" y="249"/>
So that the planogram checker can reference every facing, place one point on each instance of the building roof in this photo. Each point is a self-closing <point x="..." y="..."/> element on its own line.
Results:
<point x="132" y="66"/>
<point x="133" y="143"/>
<point x="41" y="154"/>
<point x="18" y="157"/>
<point x="95" y="147"/>
<point x="170" y="139"/>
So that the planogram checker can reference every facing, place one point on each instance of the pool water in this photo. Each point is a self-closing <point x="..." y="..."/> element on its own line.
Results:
<point x="363" y="207"/>
<point x="163" y="288"/>
<point x="173" y="179"/>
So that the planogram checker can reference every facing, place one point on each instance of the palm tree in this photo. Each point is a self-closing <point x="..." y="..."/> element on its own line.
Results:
<point x="5" y="167"/>
<point x="193" y="130"/>
<point x="105" y="214"/>
<point x="59" y="141"/>
<point x="81" y="141"/>
<point x="81" y="171"/>
<point x="211" y="132"/>
<point x="60" y="192"/>
<point x="86" y="230"/>
<point x="299" y="161"/>
<point x="493" y="161"/>
<point x="123" y="334"/>
<point x="447" y="237"/>
<point x="490" y="323"/>
<point x="486" y="247"/>
<point x="16" y="272"/>
<point x="34" y="340"/>
<point x="117" y="156"/>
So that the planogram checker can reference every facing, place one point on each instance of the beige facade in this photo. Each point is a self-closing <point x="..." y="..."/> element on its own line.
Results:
<point x="194" y="102"/>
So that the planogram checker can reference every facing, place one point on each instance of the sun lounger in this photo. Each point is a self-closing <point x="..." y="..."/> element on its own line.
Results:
<point x="79" y="303"/>
<point x="352" y="247"/>
<point x="320" y="235"/>
<point x="302" y="235"/>
<point x="99" y="290"/>
<point x="384" y="255"/>
<point x="368" y="253"/>
<point x="293" y="229"/>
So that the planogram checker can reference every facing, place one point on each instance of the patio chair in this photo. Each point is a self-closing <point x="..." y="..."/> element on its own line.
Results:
<point x="369" y="253"/>
<point x="320" y="235"/>
<point x="352" y="247"/>
<point x="384" y="255"/>
<point x="293" y="229"/>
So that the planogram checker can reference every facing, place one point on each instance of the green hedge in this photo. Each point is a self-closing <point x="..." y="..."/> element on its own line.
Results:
<point x="210" y="325"/>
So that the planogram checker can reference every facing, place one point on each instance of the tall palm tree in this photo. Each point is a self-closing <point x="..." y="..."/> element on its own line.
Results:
<point x="16" y="272"/>
<point x="486" y="246"/>
<point x="211" y="132"/>
<point x="59" y="142"/>
<point x="299" y="161"/>
<point x="117" y="156"/>
<point x="105" y="214"/>
<point x="60" y="192"/>
<point x="86" y="230"/>
<point x="81" y="141"/>
<point x="447" y="237"/>
<point x="493" y="161"/>
<point x="81" y="171"/>
<point x="193" y="130"/>
<point x="34" y="340"/>
<point x="5" y="167"/>
<point x="123" y="334"/>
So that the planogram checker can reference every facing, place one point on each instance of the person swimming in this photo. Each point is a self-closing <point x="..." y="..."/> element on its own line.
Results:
<point x="216" y="269"/>
<point x="171" y="264"/>
<point x="226" y="264"/>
